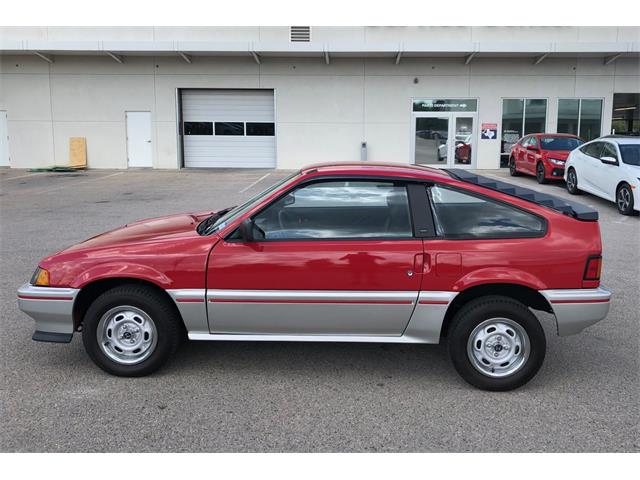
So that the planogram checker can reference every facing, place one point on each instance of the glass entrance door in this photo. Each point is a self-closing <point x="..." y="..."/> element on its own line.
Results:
<point x="431" y="140"/>
<point x="446" y="139"/>
<point x="463" y="140"/>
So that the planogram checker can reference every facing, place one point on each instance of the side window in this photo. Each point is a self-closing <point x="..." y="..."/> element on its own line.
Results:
<point x="459" y="215"/>
<point x="608" y="150"/>
<point x="592" y="149"/>
<point x="533" y="142"/>
<point x="525" y="142"/>
<point x="342" y="209"/>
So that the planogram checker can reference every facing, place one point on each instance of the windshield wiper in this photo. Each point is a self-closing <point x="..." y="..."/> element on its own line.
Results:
<point x="207" y="222"/>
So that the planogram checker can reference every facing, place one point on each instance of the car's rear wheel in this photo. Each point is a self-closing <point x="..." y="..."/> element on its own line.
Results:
<point x="572" y="182"/>
<point x="624" y="199"/>
<point x="496" y="343"/>
<point x="512" y="167"/>
<point x="540" y="173"/>
<point x="131" y="330"/>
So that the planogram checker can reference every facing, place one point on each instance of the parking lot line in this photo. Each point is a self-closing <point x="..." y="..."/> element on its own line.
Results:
<point x="76" y="183"/>
<point x="20" y="176"/>
<point x="255" y="183"/>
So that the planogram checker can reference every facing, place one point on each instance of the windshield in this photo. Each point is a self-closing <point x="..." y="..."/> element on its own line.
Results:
<point x="560" y="143"/>
<point x="630" y="154"/>
<point x="233" y="213"/>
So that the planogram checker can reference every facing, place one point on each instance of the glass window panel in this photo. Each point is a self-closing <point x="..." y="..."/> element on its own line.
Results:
<point x="590" y="119"/>
<point x="512" y="112"/>
<point x="460" y="215"/>
<point x="608" y="150"/>
<point x="346" y="209"/>
<point x="463" y="140"/>
<point x="260" y="129"/>
<point x="625" y="119"/>
<point x="535" y="115"/>
<point x="431" y="140"/>
<point x="630" y="154"/>
<point x="568" y="109"/>
<point x="229" y="128"/>
<point x="198" y="128"/>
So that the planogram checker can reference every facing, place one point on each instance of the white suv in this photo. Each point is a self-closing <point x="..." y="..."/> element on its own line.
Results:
<point x="608" y="167"/>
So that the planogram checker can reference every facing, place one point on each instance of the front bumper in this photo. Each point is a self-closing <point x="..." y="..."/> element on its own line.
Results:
<point x="51" y="308"/>
<point x="577" y="309"/>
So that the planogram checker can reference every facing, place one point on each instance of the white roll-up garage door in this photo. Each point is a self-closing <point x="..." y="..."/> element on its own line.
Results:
<point x="228" y="128"/>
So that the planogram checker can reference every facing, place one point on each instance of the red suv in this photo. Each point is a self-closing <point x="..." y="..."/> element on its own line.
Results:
<point x="542" y="155"/>
<point x="336" y="253"/>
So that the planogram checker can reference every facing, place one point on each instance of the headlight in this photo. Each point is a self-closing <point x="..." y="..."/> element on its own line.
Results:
<point x="40" y="277"/>
<point x="556" y="161"/>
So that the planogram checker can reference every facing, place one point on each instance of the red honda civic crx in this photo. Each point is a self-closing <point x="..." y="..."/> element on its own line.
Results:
<point x="358" y="252"/>
<point x="542" y="155"/>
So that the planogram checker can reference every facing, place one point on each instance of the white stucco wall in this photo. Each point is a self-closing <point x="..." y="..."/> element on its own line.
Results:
<point x="323" y="112"/>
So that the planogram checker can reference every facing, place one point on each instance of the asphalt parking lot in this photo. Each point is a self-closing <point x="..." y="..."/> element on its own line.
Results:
<point x="231" y="396"/>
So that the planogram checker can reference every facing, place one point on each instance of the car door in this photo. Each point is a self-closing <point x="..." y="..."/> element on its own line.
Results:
<point x="607" y="175"/>
<point x="331" y="257"/>
<point x="588" y="173"/>
<point x="520" y="152"/>
<point x="532" y="154"/>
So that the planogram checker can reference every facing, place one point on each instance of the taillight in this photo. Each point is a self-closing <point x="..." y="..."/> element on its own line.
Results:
<point x="593" y="268"/>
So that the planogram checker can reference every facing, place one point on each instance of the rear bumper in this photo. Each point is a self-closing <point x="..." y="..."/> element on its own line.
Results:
<point x="51" y="308"/>
<point x="577" y="309"/>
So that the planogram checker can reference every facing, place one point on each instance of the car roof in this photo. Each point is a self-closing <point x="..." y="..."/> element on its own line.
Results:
<point x="621" y="139"/>
<point x="386" y="169"/>
<point x="568" y="135"/>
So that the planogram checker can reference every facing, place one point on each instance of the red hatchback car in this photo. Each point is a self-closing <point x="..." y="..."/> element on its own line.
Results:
<point x="336" y="253"/>
<point x="542" y="155"/>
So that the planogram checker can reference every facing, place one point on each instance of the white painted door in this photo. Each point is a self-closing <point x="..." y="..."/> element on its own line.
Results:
<point x="228" y="128"/>
<point x="4" y="140"/>
<point x="139" y="139"/>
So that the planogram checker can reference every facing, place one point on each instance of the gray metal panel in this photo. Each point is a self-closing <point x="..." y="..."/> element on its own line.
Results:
<point x="51" y="308"/>
<point x="192" y="307"/>
<point x="309" y="312"/>
<point x="207" y="151"/>
<point x="578" y="309"/>
<point x="427" y="318"/>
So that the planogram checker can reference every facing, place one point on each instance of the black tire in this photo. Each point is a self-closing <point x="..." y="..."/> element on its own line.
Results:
<point x="624" y="199"/>
<point x="169" y="329"/>
<point x="572" y="182"/>
<point x="480" y="310"/>
<point x="512" y="167"/>
<point x="540" y="173"/>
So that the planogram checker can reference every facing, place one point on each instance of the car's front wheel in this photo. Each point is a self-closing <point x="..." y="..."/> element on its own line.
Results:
<point x="540" y="173"/>
<point x="131" y="330"/>
<point x="512" y="167"/>
<point x="624" y="199"/>
<point x="572" y="182"/>
<point x="496" y="343"/>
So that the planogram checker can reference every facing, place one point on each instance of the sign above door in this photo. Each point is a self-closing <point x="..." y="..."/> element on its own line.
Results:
<point x="445" y="105"/>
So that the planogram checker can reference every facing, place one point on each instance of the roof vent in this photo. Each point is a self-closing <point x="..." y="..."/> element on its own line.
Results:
<point x="300" y="34"/>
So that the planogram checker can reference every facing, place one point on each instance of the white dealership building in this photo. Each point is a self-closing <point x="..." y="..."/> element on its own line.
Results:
<point x="284" y="97"/>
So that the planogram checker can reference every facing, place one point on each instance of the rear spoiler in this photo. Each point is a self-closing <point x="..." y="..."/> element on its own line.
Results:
<point x="571" y="209"/>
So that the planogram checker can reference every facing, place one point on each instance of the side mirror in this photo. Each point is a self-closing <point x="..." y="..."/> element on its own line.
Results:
<point x="288" y="200"/>
<point x="532" y="148"/>
<point x="609" y="160"/>
<point x="246" y="230"/>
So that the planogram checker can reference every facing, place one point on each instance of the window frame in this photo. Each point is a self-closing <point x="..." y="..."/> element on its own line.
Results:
<point x="489" y="198"/>
<point x="422" y="225"/>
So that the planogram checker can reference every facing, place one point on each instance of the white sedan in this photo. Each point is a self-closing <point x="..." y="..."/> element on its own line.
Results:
<point x="608" y="167"/>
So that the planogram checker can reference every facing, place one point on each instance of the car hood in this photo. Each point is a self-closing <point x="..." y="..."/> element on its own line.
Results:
<point x="149" y="230"/>
<point x="559" y="154"/>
